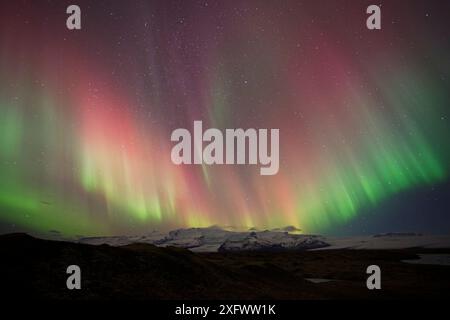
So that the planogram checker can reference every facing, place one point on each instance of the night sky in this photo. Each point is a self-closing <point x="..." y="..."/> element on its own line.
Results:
<point x="86" y="115"/>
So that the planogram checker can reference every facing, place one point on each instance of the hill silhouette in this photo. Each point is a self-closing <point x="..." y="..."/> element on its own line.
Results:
<point x="36" y="268"/>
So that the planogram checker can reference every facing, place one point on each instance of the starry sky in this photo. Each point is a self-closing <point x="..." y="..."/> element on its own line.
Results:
<point x="86" y="115"/>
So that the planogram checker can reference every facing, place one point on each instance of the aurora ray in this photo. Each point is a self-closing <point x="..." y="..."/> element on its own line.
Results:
<point x="86" y="116"/>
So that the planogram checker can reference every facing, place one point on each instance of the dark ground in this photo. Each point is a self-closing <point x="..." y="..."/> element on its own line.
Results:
<point x="35" y="268"/>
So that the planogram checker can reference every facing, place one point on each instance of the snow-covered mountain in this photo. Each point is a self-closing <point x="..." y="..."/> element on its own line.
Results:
<point x="216" y="238"/>
<point x="228" y="239"/>
<point x="273" y="241"/>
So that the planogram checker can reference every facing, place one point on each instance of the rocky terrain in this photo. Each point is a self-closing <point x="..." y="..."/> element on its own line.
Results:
<point x="36" y="268"/>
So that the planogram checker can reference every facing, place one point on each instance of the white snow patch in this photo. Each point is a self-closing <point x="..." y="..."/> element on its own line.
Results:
<point x="319" y="280"/>
<point x="431" y="258"/>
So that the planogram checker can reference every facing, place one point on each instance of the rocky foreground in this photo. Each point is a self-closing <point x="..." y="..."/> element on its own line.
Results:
<point x="36" y="268"/>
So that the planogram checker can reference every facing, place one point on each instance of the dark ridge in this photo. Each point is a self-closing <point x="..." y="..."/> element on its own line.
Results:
<point x="36" y="268"/>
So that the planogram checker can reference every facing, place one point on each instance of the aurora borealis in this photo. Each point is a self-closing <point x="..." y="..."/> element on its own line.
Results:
<point x="86" y="115"/>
